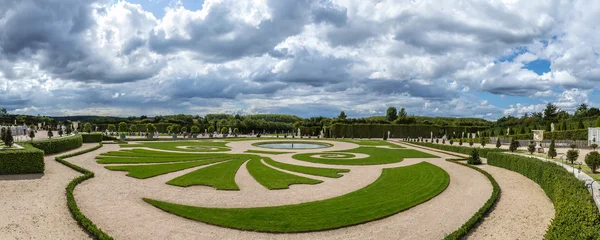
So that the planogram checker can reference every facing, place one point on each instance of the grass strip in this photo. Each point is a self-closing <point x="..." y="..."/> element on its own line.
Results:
<point x="81" y="219"/>
<point x="153" y="170"/>
<point x="396" y="190"/>
<point x="220" y="176"/>
<point x="275" y="179"/>
<point x="376" y="156"/>
<point x="316" y="171"/>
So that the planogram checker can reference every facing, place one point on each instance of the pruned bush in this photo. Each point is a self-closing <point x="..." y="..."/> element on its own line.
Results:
<point x="474" y="159"/>
<point x="576" y="214"/>
<point x="592" y="160"/>
<point x="531" y="148"/>
<point x="572" y="155"/>
<point x="498" y="144"/>
<point x="552" y="150"/>
<point x="514" y="145"/>
<point x="22" y="161"/>
<point x="50" y="146"/>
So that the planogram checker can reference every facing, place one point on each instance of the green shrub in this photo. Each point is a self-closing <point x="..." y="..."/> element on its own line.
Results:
<point x="23" y="161"/>
<point x="81" y="219"/>
<point x="460" y="142"/>
<point x="531" y="148"/>
<point x="592" y="160"/>
<point x="552" y="150"/>
<point x="87" y="127"/>
<point x="474" y="159"/>
<point x="8" y="138"/>
<point x="150" y="128"/>
<point x="498" y="144"/>
<point x="50" y="133"/>
<point x="50" y="146"/>
<point x="91" y="137"/>
<point x="572" y="155"/>
<point x="576" y="214"/>
<point x="514" y="145"/>
<point x="109" y="138"/>
<point x="122" y="127"/>
<point x="464" y="150"/>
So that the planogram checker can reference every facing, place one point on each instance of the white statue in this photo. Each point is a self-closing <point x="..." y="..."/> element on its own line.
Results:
<point x="552" y="127"/>
<point x="299" y="133"/>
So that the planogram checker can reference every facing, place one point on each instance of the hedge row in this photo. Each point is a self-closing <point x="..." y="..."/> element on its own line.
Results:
<point x="581" y="134"/>
<point x="50" y="146"/>
<point x="396" y="130"/>
<point x="577" y="216"/>
<point x="81" y="219"/>
<point x="91" y="137"/>
<point x="482" y="212"/>
<point x="459" y="149"/>
<point x="28" y="160"/>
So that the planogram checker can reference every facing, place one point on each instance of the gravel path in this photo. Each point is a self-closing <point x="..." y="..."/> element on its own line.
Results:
<point x="114" y="202"/>
<point x="34" y="206"/>
<point x="523" y="210"/>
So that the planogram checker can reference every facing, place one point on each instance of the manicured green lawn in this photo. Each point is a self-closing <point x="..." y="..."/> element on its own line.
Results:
<point x="397" y="189"/>
<point x="324" y="172"/>
<point x="274" y="179"/>
<point x="195" y="146"/>
<point x="148" y="171"/>
<point x="107" y="159"/>
<point x="220" y="176"/>
<point x="376" y="156"/>
<point x="266" y="152"/>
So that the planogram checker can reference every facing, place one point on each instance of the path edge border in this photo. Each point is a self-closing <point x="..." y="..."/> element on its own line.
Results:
<point x="84" y="222"/>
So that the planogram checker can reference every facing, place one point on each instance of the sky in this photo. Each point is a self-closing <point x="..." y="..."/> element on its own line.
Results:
<point x="456" y="58"/>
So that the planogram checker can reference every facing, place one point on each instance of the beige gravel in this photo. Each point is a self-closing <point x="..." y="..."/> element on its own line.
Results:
<point x="114" y="202"/>
<point x="523" y="210"/>
<point x="34" y="206"/>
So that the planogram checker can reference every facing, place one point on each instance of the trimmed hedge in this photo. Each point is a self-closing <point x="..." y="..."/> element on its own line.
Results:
<point x="577" y="216"/>
<point x="109" y="138"/>
<point x="81" y="219"/>
<point x="396" y="130"/>
<point x="50" y="146"/>
<point x="25" y="161"/>
<point x="91" y="137"/>
<point x="482" y="212"/>
<point x="458" y="149"/>
<point x="581" y="134"/>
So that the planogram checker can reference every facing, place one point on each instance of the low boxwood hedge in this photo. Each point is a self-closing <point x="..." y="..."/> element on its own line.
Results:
<point x="482" y="212"/>
<point x="51" y="146"/>
<point x="81" y="219"/>
<point x="459" y="149"/>
<point x="576" y="216"/>
<point x="24" y="161"/>
<point x="91" y="137"/>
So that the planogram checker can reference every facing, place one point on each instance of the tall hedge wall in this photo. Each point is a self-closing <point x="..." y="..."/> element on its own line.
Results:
<point x="581" y="134"/>
<point x="577" y="216"/>
<point x="51" y="146"/>
<point x="91" y="137"/>
<point x="459" y="149"/>
<point x="396" y="130"/>
<point x="28" y="160"/>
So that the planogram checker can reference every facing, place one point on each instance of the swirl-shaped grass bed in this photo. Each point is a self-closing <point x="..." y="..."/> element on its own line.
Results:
<point x="335" y="155"/>
<point x="396" y="190"/>
<point x="363" y="156"/>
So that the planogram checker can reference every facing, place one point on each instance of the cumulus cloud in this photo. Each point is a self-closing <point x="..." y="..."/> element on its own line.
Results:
<point x="296" y="56"/>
